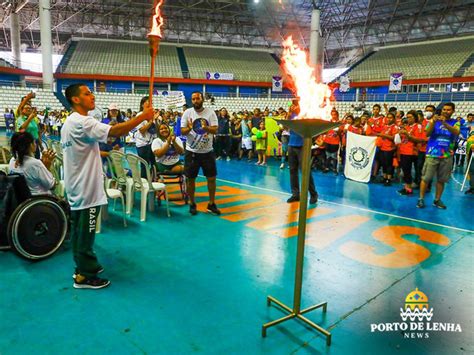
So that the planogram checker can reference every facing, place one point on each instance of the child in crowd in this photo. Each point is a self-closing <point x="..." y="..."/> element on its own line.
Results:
<point x="261" y="144"/>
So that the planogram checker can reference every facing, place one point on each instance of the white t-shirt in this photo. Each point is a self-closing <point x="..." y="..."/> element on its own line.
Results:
<point x="38" y="178"/>
<point x="171" y="157"/>
<point x="83" y="177"/>
<point x="142" y="140"/>
<point x="198" y="141"/>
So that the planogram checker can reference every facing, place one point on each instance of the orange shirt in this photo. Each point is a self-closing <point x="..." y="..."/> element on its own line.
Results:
<point x="408" y="147"/>
<point x="377" y="124"/>
<point x="353" y="129"/>
<point x="422" y="146"/>
<point x="387" y="144"/>
<point x="332" y="136"/>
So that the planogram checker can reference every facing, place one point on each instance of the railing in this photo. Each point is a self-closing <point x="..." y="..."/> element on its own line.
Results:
<point x="18" y="84"/>
<point x="160" y="71"/>
<point x="249" y="95"/>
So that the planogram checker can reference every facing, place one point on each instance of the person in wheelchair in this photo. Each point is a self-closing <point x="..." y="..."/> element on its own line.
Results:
<point x="167" y="149"/>
<point x="36" y="172"/>
<point x="33" y="222"/>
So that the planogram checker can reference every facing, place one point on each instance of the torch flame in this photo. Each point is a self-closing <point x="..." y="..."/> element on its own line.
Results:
<point x="157" y="21"/>
<point x="314" y="97"/>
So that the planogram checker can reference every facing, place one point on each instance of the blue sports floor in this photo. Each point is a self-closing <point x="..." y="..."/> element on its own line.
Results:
<point x="186" y="284"/>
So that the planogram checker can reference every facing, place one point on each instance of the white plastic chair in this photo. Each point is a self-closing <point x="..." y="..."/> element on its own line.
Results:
<point x="113" y="194"/>
<point x="144" y="186"/>
<point x="116" y="161"/>
<point x="5" y="157"/>
<point x="57" y="170"/>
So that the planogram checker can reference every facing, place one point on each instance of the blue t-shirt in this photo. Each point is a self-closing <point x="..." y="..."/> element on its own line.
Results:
<point x="441" y="141"/>
<point x="464" y="128"/>
<point x="223" y="126"/>
<point x="110" y="142"/>
<point x="295" y="139"/>
<point x="177" y="129"/>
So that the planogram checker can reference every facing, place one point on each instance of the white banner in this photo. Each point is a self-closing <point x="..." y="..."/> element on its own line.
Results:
<point x="344" y="84"/>
<point x="219" y="76"/>
<point x="360" y="153"/>
<point x="277" y="83"/>
<point x="173" y="99"/>
<point x="396" y="82"/>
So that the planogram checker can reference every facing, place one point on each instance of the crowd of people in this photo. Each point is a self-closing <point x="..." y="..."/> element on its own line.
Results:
<point x="418" y="147"/>
<point x="401" y="138"/>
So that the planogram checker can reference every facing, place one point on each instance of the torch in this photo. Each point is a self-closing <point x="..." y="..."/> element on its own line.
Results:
<point x="312" y="120"/>
<point x="154" y="38"/>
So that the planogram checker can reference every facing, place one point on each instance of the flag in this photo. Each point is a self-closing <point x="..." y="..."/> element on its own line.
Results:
<point x="277" y="83"/>
<point x="360" y="153"/>
<point x="344" y="83"/>
<point x="396" y="82"/>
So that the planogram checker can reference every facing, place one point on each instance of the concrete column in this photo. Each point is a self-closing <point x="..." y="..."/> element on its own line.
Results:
<point x="316" y="46"/>
<point x="15" y="39"/>
<point x="46" y="42"/>
<point x="237" y="91"/>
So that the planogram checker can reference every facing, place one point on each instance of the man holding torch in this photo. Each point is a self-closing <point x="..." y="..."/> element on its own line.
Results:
<point x="83" y="178"/>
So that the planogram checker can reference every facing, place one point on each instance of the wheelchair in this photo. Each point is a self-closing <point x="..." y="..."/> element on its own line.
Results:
<point x="34" y="227"/>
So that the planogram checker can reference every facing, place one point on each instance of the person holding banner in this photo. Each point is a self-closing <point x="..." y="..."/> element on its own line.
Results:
<point x="442" y="132"/>
<point x="376" y="124"/>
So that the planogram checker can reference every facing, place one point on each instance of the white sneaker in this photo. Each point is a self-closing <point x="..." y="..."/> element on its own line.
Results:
<point x="282" y="166"/>
<point x="218" y="158"/>
<point x="257" y="163"/>
<point x="228" y="159"/>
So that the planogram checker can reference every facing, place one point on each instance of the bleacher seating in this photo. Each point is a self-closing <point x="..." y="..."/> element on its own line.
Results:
<point x="462" y="108"/>
<point x="122" y="58"/>
<point x="244" y="65"/>
<point x="236" y="104"/>
<point x="10" y="97"/>
<point x="124" y="101"/>
<point x="425" y="60"/>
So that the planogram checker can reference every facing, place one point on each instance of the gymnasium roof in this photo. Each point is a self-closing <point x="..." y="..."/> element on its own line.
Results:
<point x="350" y="28"/>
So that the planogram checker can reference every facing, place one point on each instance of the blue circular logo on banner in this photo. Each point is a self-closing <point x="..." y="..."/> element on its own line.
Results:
<point x="217" y="76"/>
<point x="277" y="84"/>
<point x="395" y="81"/>
<point x="164" y="93"/>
